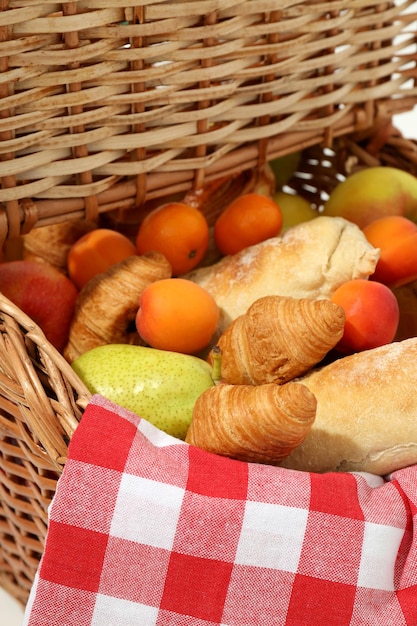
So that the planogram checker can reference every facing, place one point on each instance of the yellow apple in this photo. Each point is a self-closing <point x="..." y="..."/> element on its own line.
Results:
<point x="372" y="193"/>
<point x="294" y="208"/>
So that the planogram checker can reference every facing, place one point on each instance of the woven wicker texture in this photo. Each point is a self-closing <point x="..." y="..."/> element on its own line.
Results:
<point x="105" y="104"/>
<point x="41" y="399"/>
<point x="40" y="405"/>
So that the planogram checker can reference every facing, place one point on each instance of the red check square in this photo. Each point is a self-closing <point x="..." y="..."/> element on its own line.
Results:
<point x="209" y="528"/>
<point x="118" y="434"/>
<point x="335" y="494"/>
<point x="216" y="476"/>
<point x="65" y="565"/>
<point x="196" y="587"/>
<point x="316" y="601"/>
<point x="97" y="504"/>
<point x="270" y="593"/>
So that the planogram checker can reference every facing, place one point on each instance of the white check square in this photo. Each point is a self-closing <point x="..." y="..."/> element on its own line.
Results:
<point x="379" y="553"/>
<point x="147" y="511"/>
<point x="272" y="536"/>
<point x="119" y="612"/>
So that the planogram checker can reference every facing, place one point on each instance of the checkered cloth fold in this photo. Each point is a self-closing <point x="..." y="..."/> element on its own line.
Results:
<point x="146" y="530"/>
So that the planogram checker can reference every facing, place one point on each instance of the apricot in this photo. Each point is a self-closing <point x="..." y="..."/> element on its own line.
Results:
<point x="178" y="315"/>
<point x="396" y="238"/>
<point x="179" y="231"/>
<point x="372" y="315"/>
<point x="95" y="252"/>
<point x="247" y="220"/>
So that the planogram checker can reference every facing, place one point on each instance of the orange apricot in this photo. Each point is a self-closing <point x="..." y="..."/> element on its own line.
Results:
<point x="95" y="252"/>
<point x="372" y="315"/>
<point x="396" y="238"/>
<point x="177" y="230"/>
<point x="178" y="315"/>
<point x="247" y="220"/>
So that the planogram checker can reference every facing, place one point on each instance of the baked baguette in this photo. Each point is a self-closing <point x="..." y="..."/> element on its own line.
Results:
<point x="309" y="261"/>
<point x="366" y="417"/>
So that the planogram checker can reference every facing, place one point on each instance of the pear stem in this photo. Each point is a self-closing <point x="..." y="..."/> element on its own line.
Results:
<point x="216" y="354"/>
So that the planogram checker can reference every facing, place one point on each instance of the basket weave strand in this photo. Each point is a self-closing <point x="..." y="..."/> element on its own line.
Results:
<point x="152" y="98"/>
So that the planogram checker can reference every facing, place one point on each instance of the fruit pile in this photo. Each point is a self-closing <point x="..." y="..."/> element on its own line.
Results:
<point x="139" y="322"/>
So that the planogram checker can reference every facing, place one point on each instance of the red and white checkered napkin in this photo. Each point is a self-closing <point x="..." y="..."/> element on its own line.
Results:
<point x="146" y="530"/>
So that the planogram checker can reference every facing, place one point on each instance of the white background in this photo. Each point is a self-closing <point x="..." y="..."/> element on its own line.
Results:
<point x="11" y="613"/>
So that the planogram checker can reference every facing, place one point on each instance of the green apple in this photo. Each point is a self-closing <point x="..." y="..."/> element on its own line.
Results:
<point x="294" y="208"/>
<point x="158" y="385"/>
<point x="374" y="192"/>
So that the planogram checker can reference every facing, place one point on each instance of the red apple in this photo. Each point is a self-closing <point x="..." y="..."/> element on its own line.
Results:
<point x="46" y="295"/>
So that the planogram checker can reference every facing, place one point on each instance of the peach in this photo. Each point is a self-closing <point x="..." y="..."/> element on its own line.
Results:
<point x="95" y="252"/>
<point x="372" y="193"/>
<point x="178" y="315"/>
<point x="42" y="292"/>
<point x="396" y="237"/>
<point x="372" y="315"/>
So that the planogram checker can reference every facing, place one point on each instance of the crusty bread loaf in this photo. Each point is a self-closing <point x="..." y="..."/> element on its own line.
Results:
<point x="366" y="417"/>
<point x="309" y="261"/>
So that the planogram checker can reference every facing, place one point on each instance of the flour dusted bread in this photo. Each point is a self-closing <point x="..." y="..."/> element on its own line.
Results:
<point x="366" y="418"/>
<point x="309" y="261"/>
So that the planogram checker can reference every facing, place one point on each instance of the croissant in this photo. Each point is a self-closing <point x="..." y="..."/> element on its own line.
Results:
<point x="52" y="243"/>
<point x="278" y="339"/>
<point x="106" y="306"/>
<point x="260" y="424"/>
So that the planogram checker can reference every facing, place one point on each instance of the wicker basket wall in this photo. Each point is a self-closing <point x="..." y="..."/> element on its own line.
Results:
<point x="106" y="104"/>
<point x="42" y="400"/>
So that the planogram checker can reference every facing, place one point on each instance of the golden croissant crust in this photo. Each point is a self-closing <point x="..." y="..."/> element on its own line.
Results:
<point x="278" y="339"/>
<point x="52" y="243"/>
<point x="261" y="424"/>
<point x="106" y="306"/>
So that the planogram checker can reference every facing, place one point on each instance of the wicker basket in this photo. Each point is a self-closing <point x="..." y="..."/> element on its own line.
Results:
<point x="107" y="104"/>
<point x="42" y="400"/>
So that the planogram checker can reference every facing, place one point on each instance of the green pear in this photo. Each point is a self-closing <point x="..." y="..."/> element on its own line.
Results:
<point x="158" y="385"/>
<point x="374" y="192"/>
